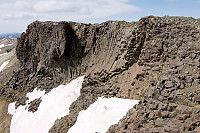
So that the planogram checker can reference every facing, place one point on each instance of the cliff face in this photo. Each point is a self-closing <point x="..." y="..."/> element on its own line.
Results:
<point x="47" y="46"/>
<point x="154" y="60"/>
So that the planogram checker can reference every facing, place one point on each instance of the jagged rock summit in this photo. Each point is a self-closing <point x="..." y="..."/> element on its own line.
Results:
<point x="154" y="60"/>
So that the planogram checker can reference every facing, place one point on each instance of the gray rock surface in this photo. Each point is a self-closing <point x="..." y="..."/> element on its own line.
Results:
<point x="155" y="60"/>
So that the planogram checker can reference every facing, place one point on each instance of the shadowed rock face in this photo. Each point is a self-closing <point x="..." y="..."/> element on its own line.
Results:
<point x="154" y="60"/>
<point x="47" y="46"/>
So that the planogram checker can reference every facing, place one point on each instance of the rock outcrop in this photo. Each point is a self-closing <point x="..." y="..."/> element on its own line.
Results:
<point x="155" y="60"/>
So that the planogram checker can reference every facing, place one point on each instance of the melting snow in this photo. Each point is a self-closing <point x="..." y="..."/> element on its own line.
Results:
<point x="3" y="54"/>
<point x="3" y="45"/>
<point x="97" y="118"/>
<point x="54" y="105"/>
<point x="101" y="115"/>
<point x="34" y="95"/>
<point x="11" y="108"/>
<point x="4" y="65"/>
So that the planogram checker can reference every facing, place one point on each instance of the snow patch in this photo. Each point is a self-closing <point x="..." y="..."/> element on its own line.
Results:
<point x="34" y="95"/>
<point x="11" y="108"/>
<point x="54" y="105"/>
<point x="101" y="115"/>
<point x="9" y="44"/>
<point x="3" y="54"/>
<point x="3" y="45"/>
<point x="4" y="65"/>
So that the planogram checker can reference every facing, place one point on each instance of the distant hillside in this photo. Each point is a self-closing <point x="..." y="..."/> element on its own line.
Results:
<point x="10" y="35"/>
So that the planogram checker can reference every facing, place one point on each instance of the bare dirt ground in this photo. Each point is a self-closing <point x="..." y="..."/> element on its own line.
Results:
<point x="4" y="116"/>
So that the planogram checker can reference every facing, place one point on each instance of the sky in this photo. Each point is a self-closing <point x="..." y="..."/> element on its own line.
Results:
<point x="16" y="15"/>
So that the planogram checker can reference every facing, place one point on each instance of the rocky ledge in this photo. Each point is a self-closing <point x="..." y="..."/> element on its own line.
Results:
<point x="155" y="60"/>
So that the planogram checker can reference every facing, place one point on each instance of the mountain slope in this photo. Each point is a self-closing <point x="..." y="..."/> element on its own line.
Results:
<point x="154" y="60"/>
<point x="10" y="35"/>
<point x="7" y="53"/>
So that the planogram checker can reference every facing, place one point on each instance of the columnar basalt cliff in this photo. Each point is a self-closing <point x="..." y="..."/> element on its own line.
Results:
<point x="154" y="60"/>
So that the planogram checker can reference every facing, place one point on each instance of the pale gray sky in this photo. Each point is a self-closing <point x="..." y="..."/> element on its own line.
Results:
<point x="15" y="15"/>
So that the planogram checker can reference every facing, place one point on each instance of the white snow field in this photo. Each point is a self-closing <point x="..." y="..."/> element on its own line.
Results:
<point x="101" y="115"/>
<point x="97" y="118"/>
<point x="4" y="65"/>
<point x="54" y="105"/>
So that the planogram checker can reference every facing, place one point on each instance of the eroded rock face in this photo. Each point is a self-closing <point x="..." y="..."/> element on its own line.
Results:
<point x="49" y="45"/>
<point x="49" y="54"/>
<point x="154" y="60"/>
<point x="172" y="55"/>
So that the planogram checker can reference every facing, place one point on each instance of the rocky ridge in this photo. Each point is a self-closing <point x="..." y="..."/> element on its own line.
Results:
<point x="155" y="60"/>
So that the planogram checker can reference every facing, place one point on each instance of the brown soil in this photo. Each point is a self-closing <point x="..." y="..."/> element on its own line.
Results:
<point x="4" y="116"/>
